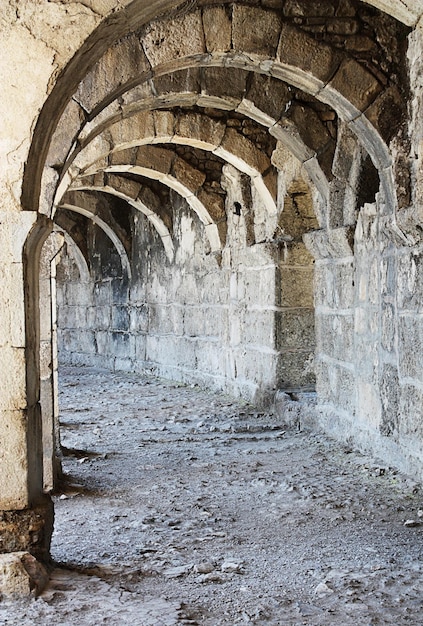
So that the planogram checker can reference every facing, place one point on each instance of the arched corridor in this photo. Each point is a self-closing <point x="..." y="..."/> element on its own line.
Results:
<point x="222" y="193"/>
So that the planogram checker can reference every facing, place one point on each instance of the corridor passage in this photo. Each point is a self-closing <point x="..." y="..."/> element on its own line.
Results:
<point x="180" y="506"/>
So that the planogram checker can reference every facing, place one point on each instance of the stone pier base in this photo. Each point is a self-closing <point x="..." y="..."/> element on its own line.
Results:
<point x="28" y="530"/>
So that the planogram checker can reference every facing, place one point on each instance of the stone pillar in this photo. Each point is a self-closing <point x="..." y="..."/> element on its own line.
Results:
<point x="26" y="513"/>
<point x="48" y="361"/>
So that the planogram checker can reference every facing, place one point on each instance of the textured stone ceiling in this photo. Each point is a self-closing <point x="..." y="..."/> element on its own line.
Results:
<point x="169" y="103"/>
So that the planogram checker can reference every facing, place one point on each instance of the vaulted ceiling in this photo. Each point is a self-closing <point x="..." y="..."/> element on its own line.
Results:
<point x="169" y="102"/>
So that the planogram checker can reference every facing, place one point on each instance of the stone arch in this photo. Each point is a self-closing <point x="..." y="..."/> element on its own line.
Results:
<point x="126" y="266"/>
<point x="152" y="217"/>
<point x="352" y="90"/>
<point x="189" y="129"/>
<point x="200" y="201"/>
<point x="360" y="108"/>
<point x="79" y="258"/>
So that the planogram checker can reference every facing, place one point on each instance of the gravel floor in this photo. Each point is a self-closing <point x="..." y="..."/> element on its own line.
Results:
<point x="183" y="507"/>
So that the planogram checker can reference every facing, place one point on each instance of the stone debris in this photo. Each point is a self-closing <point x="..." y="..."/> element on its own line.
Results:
<point x="322" y="590"/>
<point x="412" y="523"/>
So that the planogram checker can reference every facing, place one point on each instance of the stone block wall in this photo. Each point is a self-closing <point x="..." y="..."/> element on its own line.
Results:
<point x="209" y="318"/>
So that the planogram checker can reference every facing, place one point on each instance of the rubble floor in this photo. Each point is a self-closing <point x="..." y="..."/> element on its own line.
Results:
<point x="181" y="506"/>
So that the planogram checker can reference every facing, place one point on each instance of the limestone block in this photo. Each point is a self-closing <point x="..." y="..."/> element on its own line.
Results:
<point x="334" y="285"/>
<point x="178" y="82"/>
<point x="256" y="365"/>
<point x="138" y="126"/>
<point x="13" y="396"/>
<point x="67" y="128"/>
<point x="336" y="384"/>
<point x="198" y="131"/>
<point x="207" y="357"/>
<point x="217" y="29"/>
<point x="215" y="321"/>
<point x="296" y="287"/>
<point x="255" y="31"/>
<point x="269" y="95"/>
<point x="74" y="316"/>
<point x="299" y="50"/>
<point x="186" y="173"/>
<point x="139" y="316"/>
<point x="140" y="93"/>
<point x="352" y="89"/>
<point x="335" y="243"/>
<point x="295" y="329"/>
<point x="288" y="134"/>
<point x="13" y="460"/>
<point x="130" y="188"/>
<point x="83" y="340"/>
<point x="410" y="282"/>
<point x="15" y="227"/>
<point x="118" y="65"/>
<point x="140" y="348"/>
<point x="127" y="156"/>
<point x="168" y="40"/>
<point x="102" y="342"/>
<point x="386" y="112"/>
<point x="258" y="328"/>
<point x="249" y="109"/>
<point x="410" y="347"/>
<point x="154" y="158"/>
<point x="159" y="319"/>
<point x="295" y="370"/>
<point x="335" y="335"/>
<point x="194" y="321"/>
<point x="122" y="344"/>
<point x="369" y="406"/>
<point x="242" y="148"/>
<point x="120" y="318"/>
<point x="124" y="364"/>
<point x="411" y="410"/>
<point x="177" y="318"/>
<point x="21" y="575"/>
<point x="225" y="82"/>
<point x="185" y="352"/>
<point x="389" y="385"/>
<point x="295" y="253"/>
<point x="373" y="286"/>
<point x="99" y="317"/>
<point x="12" y="313"/>
<point x="18" y="115"/>
<point x="260" y="286"/>
<point x="214" y="204"/>
<point x="310" y="127"/>
<point x="164" y="122"/>
<point x="166" y="350"/>
<point x="45" y="359"/>
<point x="347" y="153"/>
<point x="388" y="333"/>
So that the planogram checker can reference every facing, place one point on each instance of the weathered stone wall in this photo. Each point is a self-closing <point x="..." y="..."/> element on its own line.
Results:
<point x="217" y="319"/>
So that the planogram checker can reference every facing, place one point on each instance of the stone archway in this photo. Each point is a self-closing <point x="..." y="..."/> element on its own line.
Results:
<point x="95" y="91"/>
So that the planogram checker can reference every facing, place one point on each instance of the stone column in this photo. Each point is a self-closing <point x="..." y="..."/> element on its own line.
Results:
<point x="26" y="513"/>
<point x="48" y="361"/>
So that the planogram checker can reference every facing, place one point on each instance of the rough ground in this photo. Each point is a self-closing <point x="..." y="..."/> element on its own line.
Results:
<point x="183" y="507"/>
